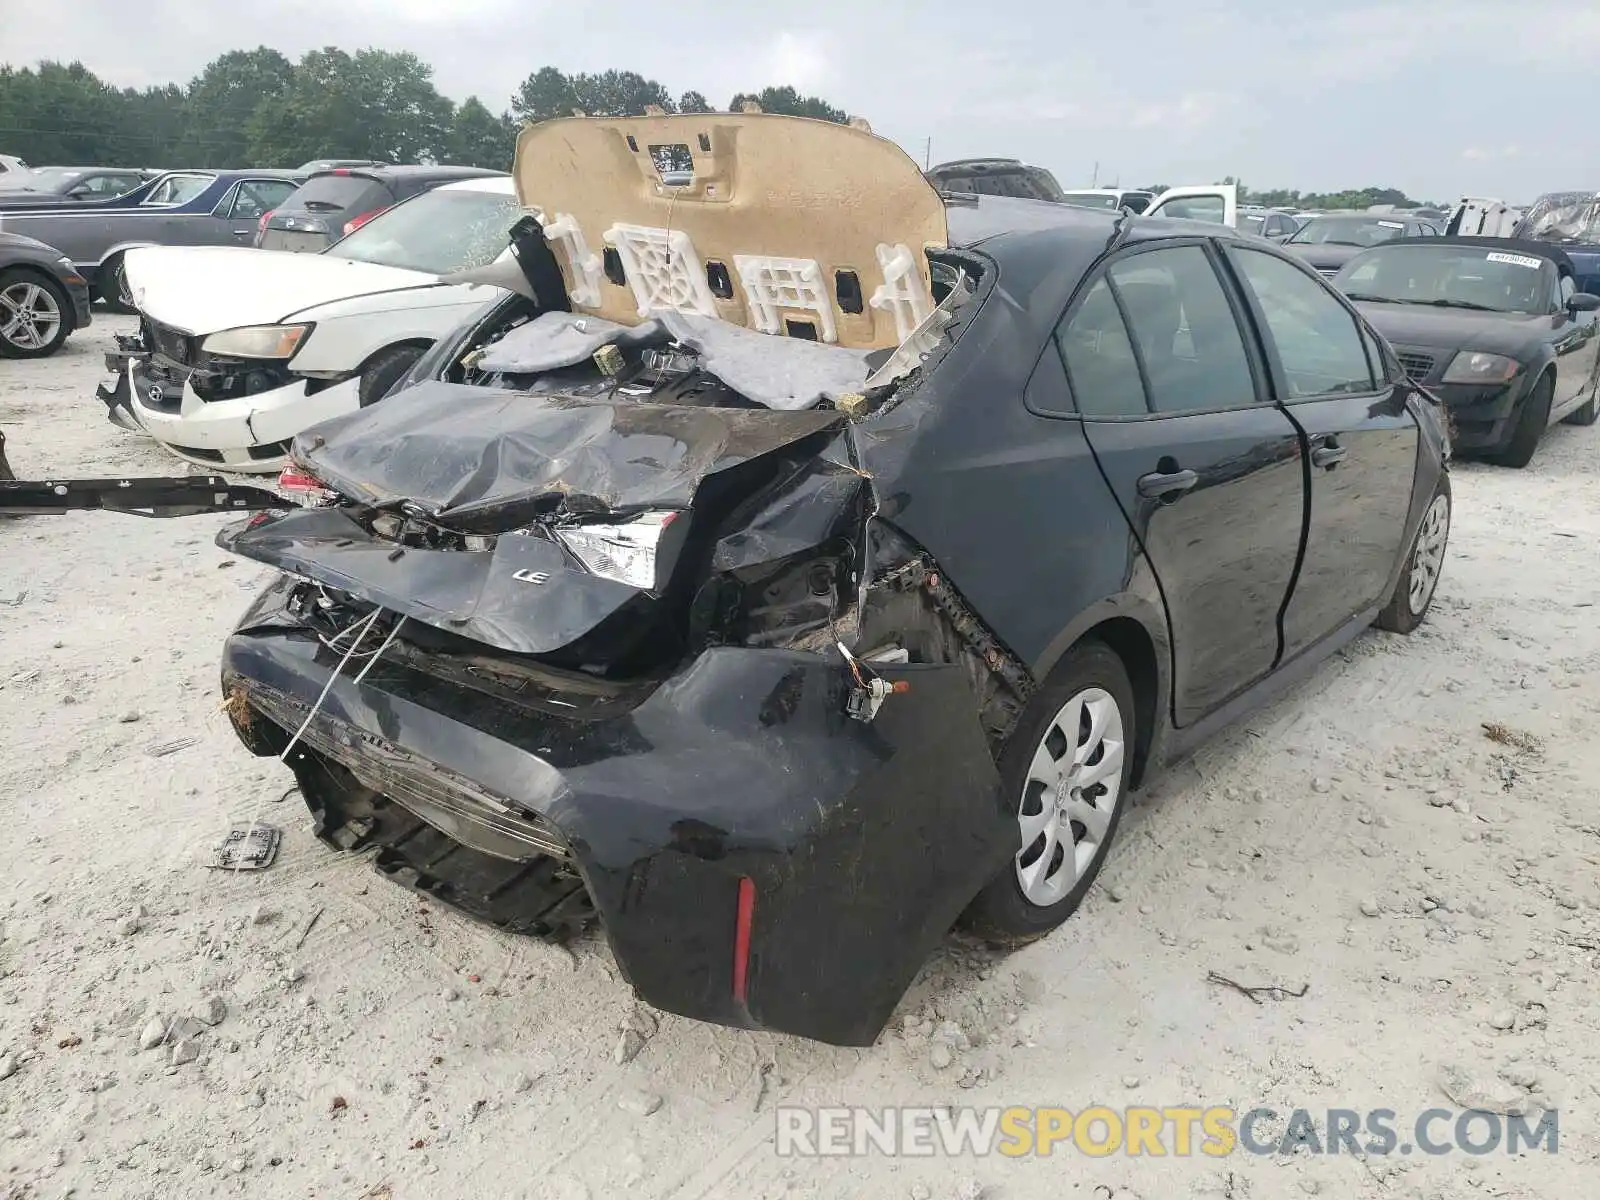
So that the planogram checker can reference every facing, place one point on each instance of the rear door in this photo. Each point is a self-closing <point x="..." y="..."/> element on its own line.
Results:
<point x="248" y="202"/>
<point x="1206" y="469"/>
<point x="1362" y="442"/>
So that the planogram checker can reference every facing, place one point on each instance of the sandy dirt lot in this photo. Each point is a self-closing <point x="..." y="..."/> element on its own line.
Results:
<point x="1436" y="889"/>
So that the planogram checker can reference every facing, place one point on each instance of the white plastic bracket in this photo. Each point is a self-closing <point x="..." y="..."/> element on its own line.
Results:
<point x="774" y="284"/>
<point x="663" y="269"/>
<point x="901" y="291"/>
<point x="585" y="265"/>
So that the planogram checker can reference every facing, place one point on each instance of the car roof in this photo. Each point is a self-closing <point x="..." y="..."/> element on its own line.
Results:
<point x="500" y="185"/>
<point x="413" y="172"/>
<point x="975" y="220"/>
<point x="1525" y="246"/>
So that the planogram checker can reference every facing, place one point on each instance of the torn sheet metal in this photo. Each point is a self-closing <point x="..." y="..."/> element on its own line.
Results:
<point x="485" y="461"/>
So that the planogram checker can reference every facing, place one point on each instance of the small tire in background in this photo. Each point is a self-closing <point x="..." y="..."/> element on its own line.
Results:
<point x="1419" y="580"/>
<point x="112" y="286"/>
<point x="35" y="314"/>
<point x="383" y="370"/>
<point x="1067" y="767"/>
<point x="1586" y="415"/>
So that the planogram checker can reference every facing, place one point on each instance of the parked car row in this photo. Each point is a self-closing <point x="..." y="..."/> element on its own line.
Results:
<point x="690" y="581"/>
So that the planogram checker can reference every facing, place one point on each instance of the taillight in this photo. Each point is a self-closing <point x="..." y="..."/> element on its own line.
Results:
<point x="261" y="225"/>
<point x="304" y="488"/>
<point x="355" y="223"/>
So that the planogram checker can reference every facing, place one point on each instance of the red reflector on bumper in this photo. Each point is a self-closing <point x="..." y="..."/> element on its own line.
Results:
<point x="741" y="938"/>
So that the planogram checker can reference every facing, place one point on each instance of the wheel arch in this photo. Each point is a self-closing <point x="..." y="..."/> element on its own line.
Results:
<point x="119" y="249"/>
<point x="407" y="343"/>
<point x="1136" y="633"/>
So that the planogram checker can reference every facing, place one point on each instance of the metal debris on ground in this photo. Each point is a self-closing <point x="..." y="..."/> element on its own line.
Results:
<point x="306" y="932"/>
<point x="1254" y="994"/>
<point x="248" y="847"/>
<point x="1515" y="738"/>
<point x="162" y="749"/>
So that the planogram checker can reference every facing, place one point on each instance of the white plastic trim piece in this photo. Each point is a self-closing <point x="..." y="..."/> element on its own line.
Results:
<point x="583" y="263"/>
<point x="901" y="291"/>
<point x="773" y="284"/>
<point x="663" y="269"/>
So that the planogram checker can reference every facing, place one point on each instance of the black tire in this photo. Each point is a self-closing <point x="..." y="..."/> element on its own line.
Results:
<point x="6" y="474"/>
<point x="1532" y="418"/>
<point x="113" y="287"/>
<point x="1001" y="913"/>
<point x="18" y="277"/>
<point x="1404" y="612"/>
<point x="1590" y="410"/>
<point x="383" y="370"/>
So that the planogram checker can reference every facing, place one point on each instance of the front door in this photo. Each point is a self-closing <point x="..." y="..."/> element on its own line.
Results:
<point x="1362" y="439"/>
<point x="1206" y="469"/>
<point x="1577" y="350"/>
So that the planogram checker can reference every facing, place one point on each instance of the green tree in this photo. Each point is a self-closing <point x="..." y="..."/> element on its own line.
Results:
<point x="791" y="103"/>
<point x="222" y="100"/>
<point x="694" y="102"/>
<point x="62" y="113"/>
<point x="548" y="93"/>
<point x="372" y="104"/>
<point x="478" y="138"/>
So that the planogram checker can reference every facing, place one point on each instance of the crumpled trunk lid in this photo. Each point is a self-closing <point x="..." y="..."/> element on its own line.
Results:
<point x="489" y="463"/>
<point x="485" y="461"/>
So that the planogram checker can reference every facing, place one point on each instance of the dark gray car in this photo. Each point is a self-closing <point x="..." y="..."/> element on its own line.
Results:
<point x="53" y="187"/>
<point x="1328" y="242"/>
<point x="42" y="298"/>
<point x="333" y="203"/>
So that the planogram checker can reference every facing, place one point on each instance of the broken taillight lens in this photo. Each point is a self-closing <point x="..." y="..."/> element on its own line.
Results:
<point x="303" y="488"/>
<point x="630" y="553"/>
<point x="261" y="225"/>
<point x="355" y="223"/>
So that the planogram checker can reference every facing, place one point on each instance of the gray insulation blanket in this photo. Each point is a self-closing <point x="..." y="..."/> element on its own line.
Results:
<point x="779" y="372"/>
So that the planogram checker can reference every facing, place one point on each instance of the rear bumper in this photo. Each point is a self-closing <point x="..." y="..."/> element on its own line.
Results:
<point x="862" y="842"/>
<point x="249" y="434"/>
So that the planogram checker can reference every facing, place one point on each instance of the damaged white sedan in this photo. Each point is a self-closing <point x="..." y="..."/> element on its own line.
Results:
<point x="238" y="350"/>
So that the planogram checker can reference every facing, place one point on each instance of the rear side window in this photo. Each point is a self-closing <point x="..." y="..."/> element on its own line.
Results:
<point x="1183" y="326"/>
<point x="1101" y="367"/>
<point x="328" y="193"/>
<point x="1316" y="338"/>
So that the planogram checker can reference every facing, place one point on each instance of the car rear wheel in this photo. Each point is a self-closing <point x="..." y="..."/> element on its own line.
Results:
<point x="1532" y="417"/>
<point x="1067" y="768"/>
<point x="35" y="315"/>
<point x="1413" y="594"/>
<point x="114" y="286"/>
<point x="383" y="370"/>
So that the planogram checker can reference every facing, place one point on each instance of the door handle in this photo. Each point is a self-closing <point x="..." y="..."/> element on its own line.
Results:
<point x="1330" y="454"/>
<point x="243" y="232"/>
<point x="1166" y="485"/>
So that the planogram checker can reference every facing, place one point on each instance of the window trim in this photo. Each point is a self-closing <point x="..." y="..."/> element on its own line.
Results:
<point x="1269" y="346"/>
<point x="1211" y="246"/>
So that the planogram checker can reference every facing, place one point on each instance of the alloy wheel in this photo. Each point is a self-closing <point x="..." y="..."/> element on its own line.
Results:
<point x="29" y="316"/>
<point x="1427" y="558"/>
<point x="1073" y="784"/>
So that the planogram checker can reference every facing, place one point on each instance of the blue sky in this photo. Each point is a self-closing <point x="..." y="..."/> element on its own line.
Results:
<point x="1438" y="97"/>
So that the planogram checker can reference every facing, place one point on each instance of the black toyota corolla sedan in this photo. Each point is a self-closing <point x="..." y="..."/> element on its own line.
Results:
<point x="1493" y="326"/>
<point x="781" y="589"/>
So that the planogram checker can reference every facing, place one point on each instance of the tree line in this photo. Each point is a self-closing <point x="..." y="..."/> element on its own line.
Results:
<point x="1357" y="199"/>
<point x="256" y="108"/>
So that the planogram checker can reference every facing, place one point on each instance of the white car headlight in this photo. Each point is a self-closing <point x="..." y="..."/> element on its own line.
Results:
<point x="628" y="552"/>
<point x="257" y="341"/>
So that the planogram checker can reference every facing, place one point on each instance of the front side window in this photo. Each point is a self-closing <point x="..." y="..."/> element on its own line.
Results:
<point x="257" y="196"/>
<point x="1196" y="208"/>
<point x="1183" y="325"/>
<point x="1317" y="340"/>
<point x="437" y="233"/>
<point x="1101" y="367"/>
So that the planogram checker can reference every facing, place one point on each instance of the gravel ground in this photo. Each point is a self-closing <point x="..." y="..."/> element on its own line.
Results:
<point x="1434" y="887"/>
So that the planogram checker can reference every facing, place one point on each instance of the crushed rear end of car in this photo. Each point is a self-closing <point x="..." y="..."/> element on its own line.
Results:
<point x="614" y="628"/>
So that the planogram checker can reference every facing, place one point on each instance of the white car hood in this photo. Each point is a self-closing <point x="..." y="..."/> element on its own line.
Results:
<point x="201" y="289"/>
